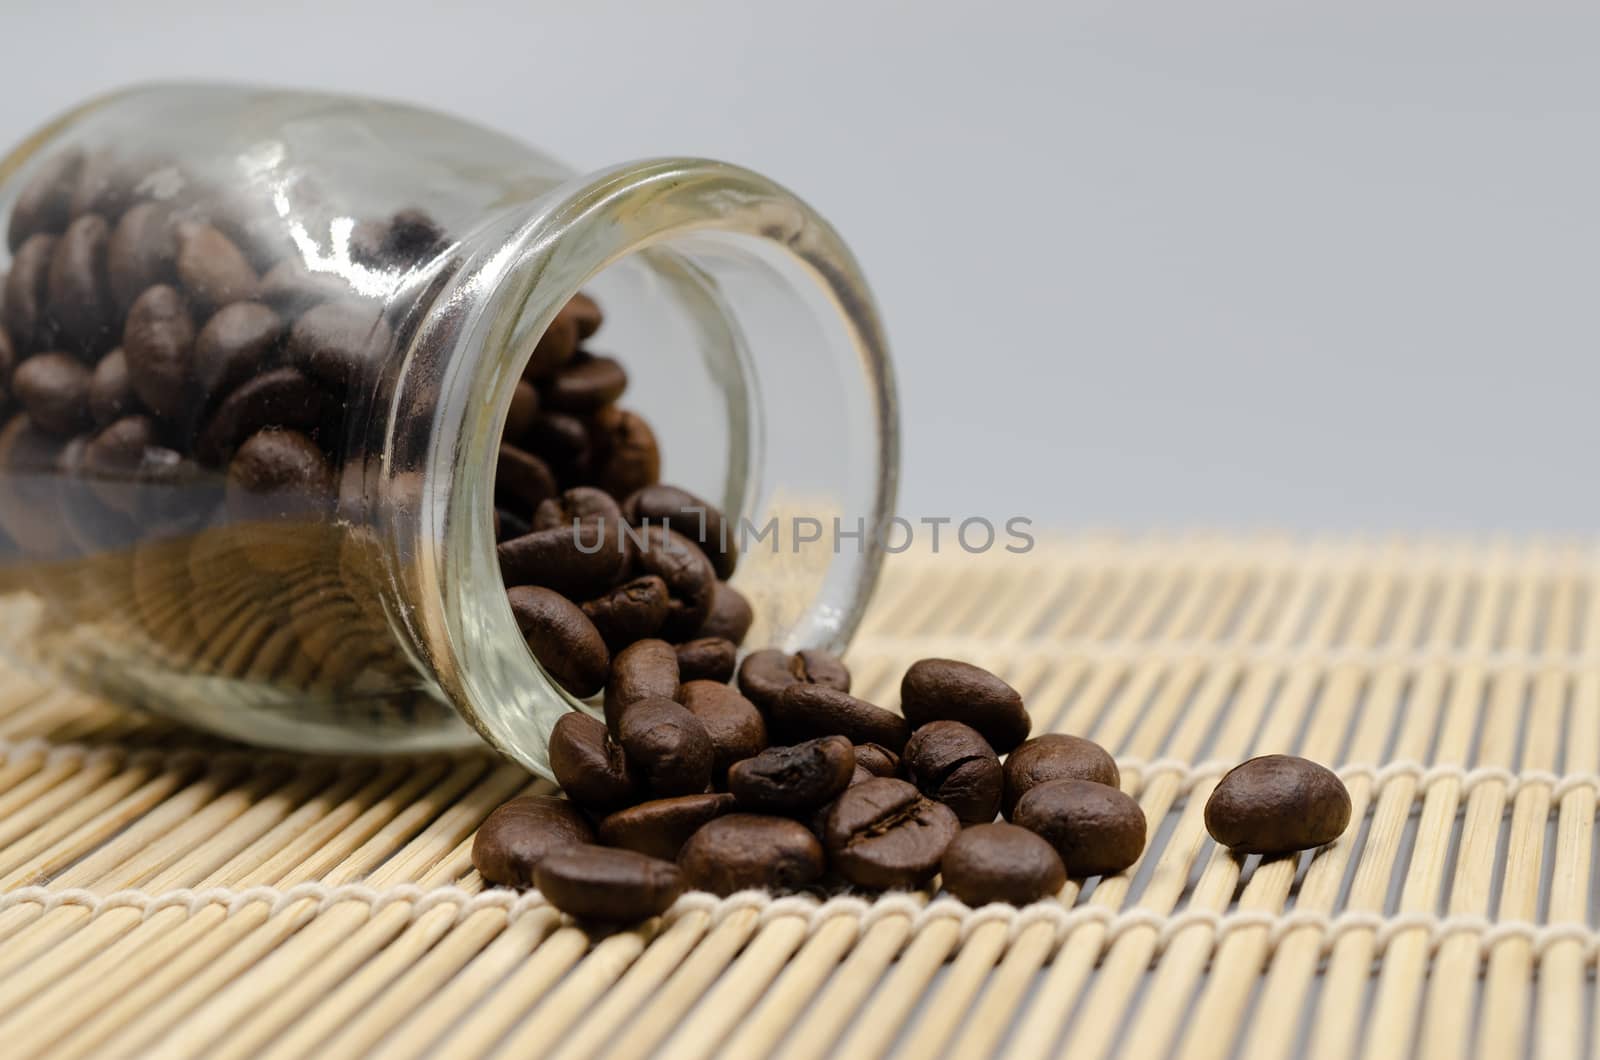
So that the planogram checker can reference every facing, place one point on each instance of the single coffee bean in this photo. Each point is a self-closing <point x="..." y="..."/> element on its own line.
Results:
<point x="523" y="411"/>
<point x="107" y="185"/>
<point x="53" y="388"/>
<point x="796" y="779"/>
<point x="884" y="834"/>
<point x="1055" y="756"/>
<point x="142" y="252"/>
<point x="212" y="268"/>
<point x="1097" y="830"/>
<point x="589" y="765"/>
<point x="876" y="760"/>
<point x="646" y="669"/>
<point x="563" y="442"/>
<point x="577" y="506"/>
<point x="336" y="341"/>
<point x="804" y="710"/>
<point x="413" y="236"/>
<point x="126" y="452"/>
<point x="560" y="636"/>
<point x="1001" y="863"/>
<point x="111" y="395"/>
<point x="660" y="827"/>
<point x="943" y="689"/>
<point x="290" y="288"/>
<point x="731" y="616"/>
<point x="585" y="384"/>
<point x="765" y="674"/>
<point x="279" y="474"/>
<point x="522" y="481"/>
<point x="78" y="291"/>
<point x="585" y="314"/>
<point x="690" y="516"/>
<point x="605" y="884"/>
<point x="626" y="455"/>
<point x="574" y="561"/>
<point x="1275" y="804"/>
<point x="632" y="611"/>
<point x="950" y="762"/>
<point x="23" y="310"/>
<point x="237" y="342"/>
<point x="667" y="746"/>
<point x="744" y="851"/>
<point x="45" y="203"/>
<point x="707" y="659"/>
<point x="517" y="836"/>
<point x="158" y="340"/>
<point x="558" y="343"/>
<point x="735" y="726"/>
<point x="690" y="580"/>
<point x="282" y="398"/>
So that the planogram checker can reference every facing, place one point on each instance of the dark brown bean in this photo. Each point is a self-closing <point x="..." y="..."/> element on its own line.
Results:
<point x="212" y="268"/>
<point x="796" y="779"/>
<point x="563" y="442"/>
<point x="585" y="314"/>
<point x="690" y="580"/>
<point x="632" y="611"/>
<point x="111" y="395"/>
<point x="1001" y="863"/>
<point x="523" y="411"/>
<point x="283" y="398"/>
<point x="950" y="762"/>
<point x="1055" y="756"/>
<point x="765" y="674"/>
<point x="666" y="746"/>
<point x="158" y="340"/>
<point x="730" y="617"/>
<point x="54" y="390"/>
<point x="290" y="288"/>
<point x="884" y="833"/>
<point x="8" y="358"/>
<point x="589" y="765"/>
<point x="626" y="455"/>
<point x="517" y="836"/>
<point x="522" y="481"/>
<point x="1275" y="804"/>
<point x="560" y="636"/>
<point x="279" y="474"/>
<point x="877" y="760"/>
<point x="646" y="669"/>
<point x="943" y="689"/>
<point x="743" y="851"/>
<point x="237" y="342"/>
<point x="78" y="292"/>
<point x="122" y="461"/>
<point x="690" y="516"/>
<point x="585" y="384"/>
<point x="558" y="343"/>
<point x="707" y="659"/>
<point x="337" y="341"/>
<point x="608" y="885"/>
<point x="580" y="505"/>
<point x="804" y="710"/>
<point x="23" y="310"/>
<point x="575" y="561"/>
<point x="142" y="252"/>
<point x="735" y="726"/>
<point x="107" y="185"/>
<point x="1097" y="830"/>
<point x="660" y="827"/>
<point x="45" y="203"/>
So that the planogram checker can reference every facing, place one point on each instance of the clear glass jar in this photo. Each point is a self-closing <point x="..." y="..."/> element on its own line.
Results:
<point x="367" y="612"/>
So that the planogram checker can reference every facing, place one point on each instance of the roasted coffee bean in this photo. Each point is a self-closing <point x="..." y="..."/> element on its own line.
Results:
<point x="589" y="765"/>
<point x="237" y="342"/>
<point x="212" y="268"/>
<point x="943" y="689"/>
<point x="158" y="340"/>
<point x="577" y="506"/>
<point x="279" y="474"/>
<point x="660" y="827"/>
<point x="666" y="746"/>
<point x="290" y="288"/>
<point x="563" y="442"/>
<point x="23" y="309"/>
<point x="884" y="833"/>
<point x="522" y="481"/>
<point x="413" y="235"/>
<point x="950" y="762"/>
<point x="556" y="346"/>
<point x="576" y="562"/>
<point x="283" y="397"/>
<point x="735" y="726"/>
<point x="690" y="580"/>
<point x="142" y="252"/>
<point x="116" y="458"/>
<point x="632" y="611"/>
<point x="707" y="659"/>
<point x="78" y="292"/>
<point x="8" y="359"/>
<point x="795" y="779"/>
<point x="523" y="411"/>
<point x="646" y="669"/>
<point x="879" y="761"/>
<point x="765" y="674"/>
<point x="336" y="341"/>
<point x="804" y="710"/>
<point x="585" y="314"/>
<point x="608" y="885"/>
<point x="585" y="384"/>
<point x="730" y="617"/>
<point x="1001" y="863"/>
<point x="1275" y="804"/>
<point x="744" y="851"/>
<point x="53" y="388"/>
<point x="626" y="456"/>
<point x="111" y="395"/>
<point x="517" y="836"/>
<point x="508" y="525"/>
<point x="1097" y="830"/>
<point x="562" y="638"/>
<point x="1055" y="756"/>
<point x="45" y="203"/>
<point x="690" y="516"/>
<point x="107" y="185"/>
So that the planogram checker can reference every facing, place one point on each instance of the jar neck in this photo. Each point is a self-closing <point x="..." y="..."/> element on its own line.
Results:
<point x="797" y="358"/>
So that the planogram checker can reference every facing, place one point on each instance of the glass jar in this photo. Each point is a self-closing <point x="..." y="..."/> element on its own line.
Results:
<point x="283" y="529"/>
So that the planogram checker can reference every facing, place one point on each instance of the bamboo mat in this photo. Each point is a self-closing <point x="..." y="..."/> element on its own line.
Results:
<point x="165" y="894"/>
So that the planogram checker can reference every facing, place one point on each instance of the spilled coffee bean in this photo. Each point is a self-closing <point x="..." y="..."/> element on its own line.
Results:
<point x="947" y="690"/>
<point x="885" y="834"/>
<point x="1096" y="830"/>
<point x="1277" y="804"/>
<point x="950" y="762"/>
<point x="660" y="827"/>
<point x="743" y="851"/>
<point x="607" y="884"/>
<point x="794" y="779"/>
<point x="1055" y="756"/>
<point x="1001" y="862"/>
<point x="515" y="838"/>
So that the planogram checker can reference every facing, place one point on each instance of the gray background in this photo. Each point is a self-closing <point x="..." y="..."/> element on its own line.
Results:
<point x="1222" y="264"/>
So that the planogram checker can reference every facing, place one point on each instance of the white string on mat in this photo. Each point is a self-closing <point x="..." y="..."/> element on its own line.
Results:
<point x="1191" y="774"/>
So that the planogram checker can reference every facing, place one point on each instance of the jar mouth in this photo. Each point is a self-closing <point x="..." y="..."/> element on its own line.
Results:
<point x="482" y="328"/>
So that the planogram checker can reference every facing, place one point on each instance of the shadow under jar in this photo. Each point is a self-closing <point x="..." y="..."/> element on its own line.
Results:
<point x="259" y="352"/>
